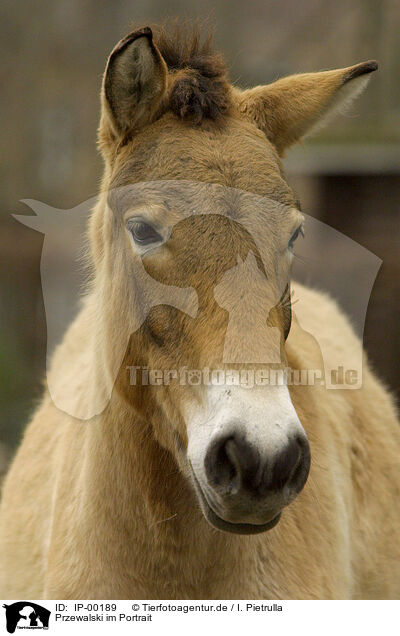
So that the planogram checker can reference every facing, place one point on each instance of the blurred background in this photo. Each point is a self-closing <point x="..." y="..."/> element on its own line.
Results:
<point x="53" y="55"/>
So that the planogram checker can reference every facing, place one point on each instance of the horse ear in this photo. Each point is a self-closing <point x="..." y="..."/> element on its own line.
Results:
<point x="134" y="83"/>
<point x="294" y="106"/>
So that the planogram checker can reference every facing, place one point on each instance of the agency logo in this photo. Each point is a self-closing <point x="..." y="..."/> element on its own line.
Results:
<point x="152" y="227"/>
<point x="26" y="615"/>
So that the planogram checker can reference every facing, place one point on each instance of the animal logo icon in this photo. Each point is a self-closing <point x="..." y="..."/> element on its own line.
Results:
<point x="26" y="615"/>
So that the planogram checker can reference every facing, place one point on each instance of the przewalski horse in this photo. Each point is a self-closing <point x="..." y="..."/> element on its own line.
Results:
<point x="201" y="491"/>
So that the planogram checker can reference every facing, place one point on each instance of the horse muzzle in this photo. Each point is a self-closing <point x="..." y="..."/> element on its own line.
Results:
<point x="244" y="487"/>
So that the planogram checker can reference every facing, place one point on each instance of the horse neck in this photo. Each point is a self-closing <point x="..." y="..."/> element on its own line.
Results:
<point x="147" y="496"/>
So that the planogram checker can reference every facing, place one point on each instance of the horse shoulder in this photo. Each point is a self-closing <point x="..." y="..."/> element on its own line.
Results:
<point x="30" y="486"/>
<point x="355" y="436"/>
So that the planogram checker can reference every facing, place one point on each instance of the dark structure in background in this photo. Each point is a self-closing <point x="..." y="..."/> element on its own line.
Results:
<point x="366" y="208"/>
<point x="348" y="177"/>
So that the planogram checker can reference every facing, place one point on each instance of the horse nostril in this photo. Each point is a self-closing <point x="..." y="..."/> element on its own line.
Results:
<point x="229" y="462"/>
<point x="291" y="466"/>
<point x="220" y="469"/>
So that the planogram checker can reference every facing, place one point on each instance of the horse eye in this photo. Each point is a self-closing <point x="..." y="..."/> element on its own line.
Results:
<point x="144" y="234"/>
<point x="300" y="230"/>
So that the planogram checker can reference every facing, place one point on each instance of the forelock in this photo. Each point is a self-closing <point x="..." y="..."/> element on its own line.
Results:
<point x="199" y="85"/>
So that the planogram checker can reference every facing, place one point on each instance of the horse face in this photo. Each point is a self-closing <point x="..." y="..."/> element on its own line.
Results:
<point x="241" y="446"/>
<point x="224" y="232"/>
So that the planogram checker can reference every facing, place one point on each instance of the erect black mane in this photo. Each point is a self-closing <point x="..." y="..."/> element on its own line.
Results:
<point x="201" y="89"/>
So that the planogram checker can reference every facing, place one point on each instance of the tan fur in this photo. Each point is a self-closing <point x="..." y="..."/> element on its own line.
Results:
<point x="101" y="509"/>
<point x="4" y="461"/>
